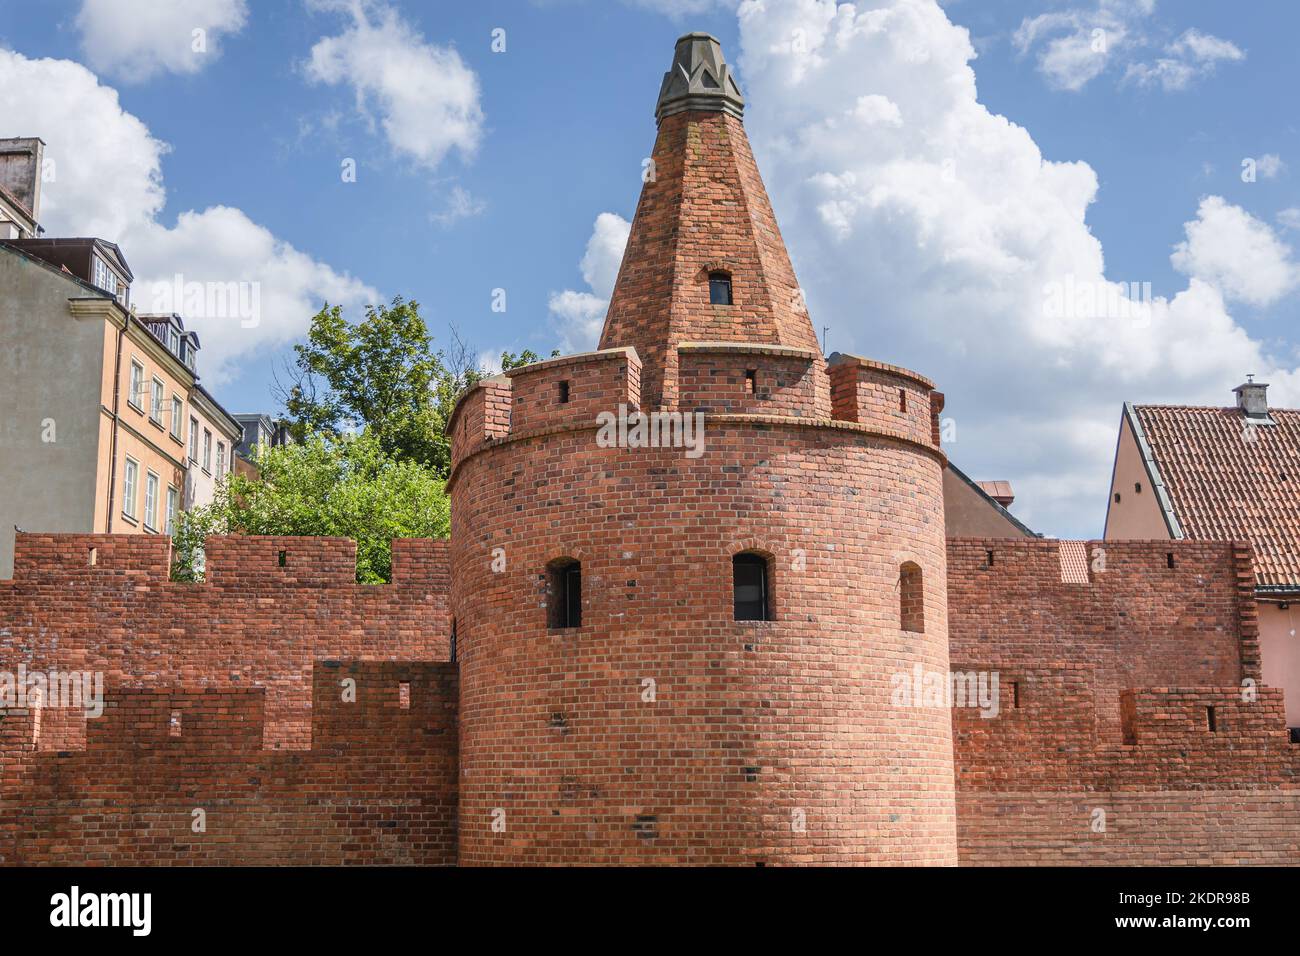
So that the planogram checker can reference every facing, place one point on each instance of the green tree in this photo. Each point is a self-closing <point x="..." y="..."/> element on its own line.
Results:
<point x="382" y="376"/>
<point x="346" y="486"/>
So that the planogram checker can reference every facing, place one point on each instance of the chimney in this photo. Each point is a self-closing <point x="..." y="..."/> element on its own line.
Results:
<point x="999" y="491"/>
<point x="1252" y="399"/>
<point x="20" y="173"/>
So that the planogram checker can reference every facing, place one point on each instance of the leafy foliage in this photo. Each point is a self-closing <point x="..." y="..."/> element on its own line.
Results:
<point x="347" y="486"/>
<point x="383" y="377"/>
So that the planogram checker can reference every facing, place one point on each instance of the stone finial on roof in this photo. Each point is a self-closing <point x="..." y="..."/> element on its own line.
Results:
<point x="699" y="80"/>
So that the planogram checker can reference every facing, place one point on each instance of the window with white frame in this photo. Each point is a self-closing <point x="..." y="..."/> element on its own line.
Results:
<point x="207" y="451"/>
<point x="150" y="500"/>
<point x="173" y="499"/>
<point x="136" y="395"/>
<point x="156" y="401"/>
<point x="130" y="479"/>
<point x="221" y="458"/>
<point x="104" y="277"/>
<point x="178" y="415"/>
<point x="194" y="440"/>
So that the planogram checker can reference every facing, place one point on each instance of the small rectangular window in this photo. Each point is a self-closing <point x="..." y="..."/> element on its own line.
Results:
<point x="751" y="381"/>
<point x="178" y="416"/>
<point x="564" y="602"/>
<point x="207" y="451"/>
<point x="173" y="497"/>
<point x="135" y="393"/>
<point x="719" y="288"/>
<point x="404" y="695"/>
<point x="1211" y="720"/>
<point x="174" y="724"/>
<point x="151" y="500"/>
<point x="749" y="588"/>
<point x="156" y="401"/>
<point x="130" y="478"/>
<point x="564" y="392"/>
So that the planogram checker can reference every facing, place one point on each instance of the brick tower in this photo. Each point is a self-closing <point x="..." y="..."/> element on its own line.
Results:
<point x="677" y="655"/>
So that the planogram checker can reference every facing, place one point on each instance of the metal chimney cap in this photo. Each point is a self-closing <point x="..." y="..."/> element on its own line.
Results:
<point x="699" y="79"/>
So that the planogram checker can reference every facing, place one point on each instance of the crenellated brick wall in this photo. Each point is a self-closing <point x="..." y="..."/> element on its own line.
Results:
<point x="269" y="607"/>
<point x="227" y="697"/>
<point x="1131" y="725"/>
<point x="179" y="777"/>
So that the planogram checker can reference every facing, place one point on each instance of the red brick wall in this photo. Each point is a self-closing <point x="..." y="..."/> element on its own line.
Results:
<point x="705" y="209"/>
<point x="377" y="787"/>
<point x="252" y="624"/>
<point x="1113" y="680"/>
<point x="714" y="380"/>
<point x="236" y="657"/>
<point x="765" y="742"/>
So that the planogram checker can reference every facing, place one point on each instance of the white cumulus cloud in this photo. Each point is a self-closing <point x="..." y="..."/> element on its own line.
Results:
<point x="1235" y="252"/>
<point x="950" y="244"/>
<point x="579" y="316"/>
<point x="133" y="40"/>
<point x="1075" y="45"/>
<point x="426" y="98"/>
<point x="107" y="182"/>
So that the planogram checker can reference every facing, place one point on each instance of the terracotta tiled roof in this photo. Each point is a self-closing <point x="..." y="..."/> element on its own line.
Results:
<point x="1227" y="482"/>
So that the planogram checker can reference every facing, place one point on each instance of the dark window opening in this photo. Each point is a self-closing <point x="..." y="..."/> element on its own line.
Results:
<point x="1015" y="693"/>
<point x="1211" y="720"/>
<point x="988" y="558"/>
<point x="284" y="558"/>
<point x="751" y="381"/>
<point x="1117" y="497"/>
<point x="1169" y="559"/>
<point x="750" y="588"/>
<point x="452" y="648"/>
<point x="1295" y="734"/>
<point x="911" y="598"/>
<point x="902" y="399"/>
<point x="564" y="392"/>
<point x="1137" y="487"/>
<point x="564" y="598"/>
<point x="719" y="288"/>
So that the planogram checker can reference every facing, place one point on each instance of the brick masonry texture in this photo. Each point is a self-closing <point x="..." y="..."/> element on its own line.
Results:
<point x="705" y="210"/>
<point x="235" y="658"/>
<point x="1134" y="696"/>
<point x="1131" y="726"/>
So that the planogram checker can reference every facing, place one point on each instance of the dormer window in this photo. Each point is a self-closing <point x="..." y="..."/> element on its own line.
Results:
<point x="719" y="288"/>
<point x="103" y="277"/>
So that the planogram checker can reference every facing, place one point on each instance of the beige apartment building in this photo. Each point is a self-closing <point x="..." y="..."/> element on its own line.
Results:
<point x="103" y="419"/>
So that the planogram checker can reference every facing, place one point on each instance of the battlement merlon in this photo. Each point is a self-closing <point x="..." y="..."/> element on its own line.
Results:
<point x="232" y="561"/>
<point x="884" y="396"/>
<point x="567" y="391"/>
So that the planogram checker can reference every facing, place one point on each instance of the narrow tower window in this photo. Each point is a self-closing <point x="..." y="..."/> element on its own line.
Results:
<point x="751" y="381"/>
<point x="564" y="593"/>
<point x="564" y="392"/>
<point x="719" y="288"/>
<point x="749" y="585"/>
<point x="911" y="599"/>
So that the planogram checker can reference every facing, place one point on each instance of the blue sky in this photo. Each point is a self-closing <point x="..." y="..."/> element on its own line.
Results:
<point x="925" y="229"/>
